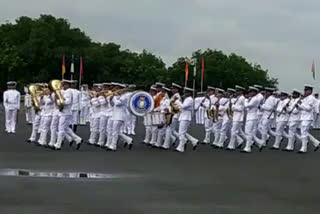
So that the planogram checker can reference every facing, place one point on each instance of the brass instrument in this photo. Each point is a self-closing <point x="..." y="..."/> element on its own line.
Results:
<point x="34" y="91"/>
<point x="56" y="86"/>
<point x="174" y="110"/>
<point x="229" y="111"/>
<point x="92" y="93"/>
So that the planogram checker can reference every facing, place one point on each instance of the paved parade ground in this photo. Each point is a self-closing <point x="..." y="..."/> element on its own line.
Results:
<point x="151" y="181"/>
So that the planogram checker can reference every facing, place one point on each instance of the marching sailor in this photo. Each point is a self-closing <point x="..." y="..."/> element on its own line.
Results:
<point x="306" y="106"/>
<point x="65" y="117"/>
<point x="185" y="117"/>
<point x="28" y="106"/>
<point x="225" y="107"/>
<point x="104" y="114"/>
<point x="11" y="102"/>
<point x="267" y="108"/>
<point x="282" y="117"/>
<point x="75" y="105"/>
<point x="120" y="103"/>
<point x="147" y="119"/>
<point x="95" y="114"/>
<point x="84" y="105"/>
<point x="221" y="100"/>
<point x="199" y="110"/>
<point x="164" y="109"/>
<point x="237" y="119"/>
<point x="171" y="130"/>
<point x="251" y="105"/>
<point x="207" y="104"/>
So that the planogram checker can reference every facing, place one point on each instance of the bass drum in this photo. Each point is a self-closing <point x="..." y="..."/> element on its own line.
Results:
<point x="141" y="103"/>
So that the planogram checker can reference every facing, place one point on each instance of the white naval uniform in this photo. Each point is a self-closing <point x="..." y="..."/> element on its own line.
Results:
<point x="293" y="122"/>
<point x="110" y="123"/>
<point x="75" y="106"/>
<point x="237" y="122"/>
<point x="164" y="104"/>
<point x="200" y="111"/>
<point x="147" y="122"/>
<point x="226" y="121"/>
<point x="54" y="122"/>
<point x="65" y="119"/>
<point x="84" y="107"/>
<point x="267" y="108"/>
<point x="28" y="108"/>
<point x="307" y="117"/>
<point x="251" y="106"/>
<point x="36" y="123"/>
<point x="103" y="121"/>
<point x="218" y="124"/>
<point x="119" y="116"/>
<point x="171" y="133"/>
<point x="261" y="99"/>
<point x="316" y="114"/>
<point x="46" y="117"/>
<point x="11" y="102"/>
<point x="208" y="123"/>
<point x="184" y="122"/>
<point x="282" y="117"/>
<point x="95" y="120"/>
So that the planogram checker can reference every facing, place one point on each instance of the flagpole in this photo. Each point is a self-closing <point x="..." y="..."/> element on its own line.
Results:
<point x="186" y="70"/>
<point x="81" y="72"/>
<point x="72" y="68"/>
<point x="194" y="77"/>
<point x="202" y="73"/>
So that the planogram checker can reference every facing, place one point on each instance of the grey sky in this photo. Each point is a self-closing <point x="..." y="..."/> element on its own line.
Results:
<point x="281" y="35"/>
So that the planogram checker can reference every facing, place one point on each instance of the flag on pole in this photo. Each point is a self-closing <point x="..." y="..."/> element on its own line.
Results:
<point x="186" y="70"/>
<point x="63" y="66"/>
<point x="72" y="65"/>
<point x="313" y="70"/>
<point x="81" y="67"/>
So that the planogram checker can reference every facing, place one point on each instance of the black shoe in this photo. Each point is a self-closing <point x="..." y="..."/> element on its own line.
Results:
<point x="299" y="152"/>
<point x="70" y="144"/>
<point x="125" y="145"/>
<point x="79" y="145"/>
<point x="287" y="150"/>
<point x="273" y="148"/>
<point x="28" y="141"/>
<point x="130" y="146"/>
<point x="195" y="147"/>
<point x="261" y="148"/>
<point x="243" y="151"/>
<point x="57" y="149"/>
<point x="228" y="149"/>
<point x="316" y="149"/>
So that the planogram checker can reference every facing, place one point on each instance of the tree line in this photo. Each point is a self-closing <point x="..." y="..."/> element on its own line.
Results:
<point x="31" y="51"/>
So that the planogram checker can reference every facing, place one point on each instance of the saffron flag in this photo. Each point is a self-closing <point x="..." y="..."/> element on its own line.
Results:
<point x="202" y="68"/>
<point x="63" y="66"/>
<point x="313" y="70"/>
<point x="187" y="70"/>
<point x="81" y="67"/>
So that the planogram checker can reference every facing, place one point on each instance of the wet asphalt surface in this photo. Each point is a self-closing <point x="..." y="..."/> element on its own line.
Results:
<point x="155" y="181"/>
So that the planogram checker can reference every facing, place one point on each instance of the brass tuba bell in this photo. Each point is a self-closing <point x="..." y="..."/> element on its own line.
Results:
<point x="34" y="91"/>
<point x="56" y="86"/>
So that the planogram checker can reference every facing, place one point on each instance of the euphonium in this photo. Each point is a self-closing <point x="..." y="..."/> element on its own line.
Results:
<point x="34" y="91"/>
<point x="56" y="86"/>
<point x="174" y="110"/>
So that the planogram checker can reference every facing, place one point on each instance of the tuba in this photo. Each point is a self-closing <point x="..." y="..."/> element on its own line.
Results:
<point x="174" y="110"/>
<point x="34" y="92"/>
<point x="55" y="86"/>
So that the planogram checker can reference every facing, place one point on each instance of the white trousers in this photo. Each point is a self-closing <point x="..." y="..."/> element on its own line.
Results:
<point x="64" y="129"/>
<point x="11" y="120"/>
<point x="249" y="131"/>
<point x="75" y="117"/>
<point x="45" y="127"/>
<point x="35" y="127"/>
<point x="116" y="133"/>
<point x="29" y="115"/>
<point x="54" y="130"/>
<point x="235" y="134"/>
<point x="84" y="115"/>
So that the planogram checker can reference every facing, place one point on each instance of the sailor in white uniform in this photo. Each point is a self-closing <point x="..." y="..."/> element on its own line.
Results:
<point x="237" y="119"/>
<point x="65" y="118"/>
<point x="282" y="117"/>
<point x="11" y="102"/>
<point x="28" y="106"/>
<point x="47" y="111"/>
<point x="84" y="105"/>
<point x="95" y="114"/>
<point x="187" y="108"/>
<point x="207" y="103"/>
<point x="306" y="107"/>
<point x="75" y="105"/>
<point x="199" y="109"/>
<point x="220" y="100"/>
<point x="147" y="119"/>
<point x="251" y="105"/>
<point x="120" y="104"/>
<point x="316" y="112"/>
